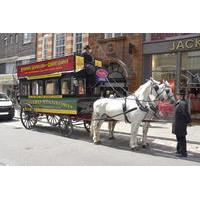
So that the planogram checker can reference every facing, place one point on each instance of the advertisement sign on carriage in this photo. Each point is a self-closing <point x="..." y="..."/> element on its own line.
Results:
<point x="101" y="74"/>
<point x="46" y="67"/>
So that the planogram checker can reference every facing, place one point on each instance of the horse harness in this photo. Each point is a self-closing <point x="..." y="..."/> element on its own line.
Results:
<point x="141" y="107"/>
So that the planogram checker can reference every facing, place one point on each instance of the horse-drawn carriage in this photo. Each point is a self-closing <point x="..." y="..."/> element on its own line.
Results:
<point x="57" y="90"/>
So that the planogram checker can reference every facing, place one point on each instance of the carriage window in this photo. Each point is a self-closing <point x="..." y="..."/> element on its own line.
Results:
<point x="52" y="87"/>
<point x="24" y="89"/>
<point x="66" y="86"/>
<point x="37" y="88"/>
<point x="81" y="87"/>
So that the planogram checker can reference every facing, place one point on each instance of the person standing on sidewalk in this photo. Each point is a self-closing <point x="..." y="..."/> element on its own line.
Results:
<point x="179" y="126"/>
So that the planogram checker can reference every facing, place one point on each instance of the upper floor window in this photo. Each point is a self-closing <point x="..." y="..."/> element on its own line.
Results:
<point x="112" y="35"/>
<point x="78" y="43"/>
<point x="5" y="41"/>
<point x="59" y="45"/>
<point x="11" y="39"/>
<point x="45" y="47"/>
<point x="27" y="38"/>
<point x="16" y="38"/>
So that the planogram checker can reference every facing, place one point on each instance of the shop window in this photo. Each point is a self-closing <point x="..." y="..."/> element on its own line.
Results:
<point x="78" y="43"/>
<point x="24" y="89"/>
<point x="45" y="47"/>
<point x="59" y="45"/>
<point x="66" y="86"/>
<point x="37" y="88"/>
<point x="27" y="38"/>
<point x="112" y="35"/>
<point x="190" y="80"/>
<point x="164" y="67"/>
<point x="52" y="87"/>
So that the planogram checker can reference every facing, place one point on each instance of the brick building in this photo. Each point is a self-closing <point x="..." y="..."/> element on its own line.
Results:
<point x="118" y="51"/>
<point x="121" y="52"/>
<point x="15" y="49"/>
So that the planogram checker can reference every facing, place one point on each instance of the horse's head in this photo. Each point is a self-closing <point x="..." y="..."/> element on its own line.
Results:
<point x="168" y="94"/>
<point x="156" y="90"/>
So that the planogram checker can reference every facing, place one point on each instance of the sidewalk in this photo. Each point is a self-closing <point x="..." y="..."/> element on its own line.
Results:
<point x="160" y="133"/>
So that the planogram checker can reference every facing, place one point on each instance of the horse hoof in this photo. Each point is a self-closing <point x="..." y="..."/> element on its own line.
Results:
<point x="111" y="138"/>
<point x="97" y="143"/>
<point x="134" y="148"/>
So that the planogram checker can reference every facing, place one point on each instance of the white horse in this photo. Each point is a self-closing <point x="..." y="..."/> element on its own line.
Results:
<point x="154" y="112"/>
<point x="133" y="108"/>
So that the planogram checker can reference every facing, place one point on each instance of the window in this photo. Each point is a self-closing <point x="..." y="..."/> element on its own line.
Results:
<point x="2" y="68"/>
<point x="11" y="39"/>
<point x="45" y="47"/>
<point x="52" y="87"/>
<point x="27" y="38"/>
<point x="37" y="88"/>
<point x="78" y="43"/>
<point x="66" y="86"/>
<point x="5" y="41"/>
<point x="112" y="35"/>
<point x="164" y="67"/>
<point x="81" y="86"/>
<point x="16" y="38"/>
<point x="24" y="89"/>
<point x="59" y="45"/>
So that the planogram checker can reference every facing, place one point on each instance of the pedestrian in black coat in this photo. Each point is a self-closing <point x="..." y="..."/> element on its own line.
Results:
<point x="179" y="126"/>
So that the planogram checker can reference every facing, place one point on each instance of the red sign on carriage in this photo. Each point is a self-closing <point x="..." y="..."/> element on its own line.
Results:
<point x="46" y="67"/>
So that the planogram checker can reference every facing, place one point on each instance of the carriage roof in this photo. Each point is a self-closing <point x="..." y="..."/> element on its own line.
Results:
<point x="53" y="68"/>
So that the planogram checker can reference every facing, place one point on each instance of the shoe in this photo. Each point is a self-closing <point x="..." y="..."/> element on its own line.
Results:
<point x="181" y="155"/>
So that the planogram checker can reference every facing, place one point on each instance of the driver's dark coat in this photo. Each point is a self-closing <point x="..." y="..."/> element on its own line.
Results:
<point x="181" y="118"/>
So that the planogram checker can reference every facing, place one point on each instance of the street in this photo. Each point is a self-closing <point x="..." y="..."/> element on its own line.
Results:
<point x="45" y="146"/>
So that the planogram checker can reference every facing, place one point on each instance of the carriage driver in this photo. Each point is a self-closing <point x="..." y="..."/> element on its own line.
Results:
<point x="90" y="71"/>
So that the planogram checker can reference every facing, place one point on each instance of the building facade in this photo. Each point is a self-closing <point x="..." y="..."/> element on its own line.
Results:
<point x="54" y="45"/>
<point x="119" y="52"/>
<point x="175" y="57"/>
<point x="15" y="49"/>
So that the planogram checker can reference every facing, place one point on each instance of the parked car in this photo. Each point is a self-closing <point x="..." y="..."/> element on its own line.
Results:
<point x="6" y="106"/>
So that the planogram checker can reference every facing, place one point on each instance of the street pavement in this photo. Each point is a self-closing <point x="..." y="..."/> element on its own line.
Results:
<point x="45" y="146"/>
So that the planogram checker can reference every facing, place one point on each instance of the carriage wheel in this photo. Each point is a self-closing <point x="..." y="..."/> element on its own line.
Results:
<point x="87" y="125"/>
<point x="66" y="126"/>
<point x="53" y="119"/>
<point x="28" y="118"/>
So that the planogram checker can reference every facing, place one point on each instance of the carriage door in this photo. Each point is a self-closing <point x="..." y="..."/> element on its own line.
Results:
<point x="117" y="81"/>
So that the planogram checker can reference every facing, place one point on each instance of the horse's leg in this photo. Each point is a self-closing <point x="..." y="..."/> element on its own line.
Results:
<point x="144" y="136"/>
<point x="133" y="139"/>
<point x="111" y="127"/>
<point x="94" y="126"/>
<point x="97" y="139"/>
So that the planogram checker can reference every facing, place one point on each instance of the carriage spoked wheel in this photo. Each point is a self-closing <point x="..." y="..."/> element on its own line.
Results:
<point x="66" y="126"/>
<point x="53" y="119"/>
<point x="28" y="116"/>
<point x="87" y="125"/>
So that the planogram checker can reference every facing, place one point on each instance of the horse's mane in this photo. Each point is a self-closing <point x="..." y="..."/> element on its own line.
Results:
<point x="140" y="91"/>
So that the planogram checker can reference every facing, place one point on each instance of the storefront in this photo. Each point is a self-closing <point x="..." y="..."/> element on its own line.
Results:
<point x="8" y="83"/>
<point x="178" y="61"/>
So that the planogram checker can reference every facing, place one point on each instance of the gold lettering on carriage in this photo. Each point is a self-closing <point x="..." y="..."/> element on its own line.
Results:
<point x="185" y="44"/>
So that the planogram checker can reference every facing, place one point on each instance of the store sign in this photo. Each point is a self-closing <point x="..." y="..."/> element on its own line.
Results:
<point x="46" y="67"/>
<point x="185" y="44"/>
<point x="8" y="78"/>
